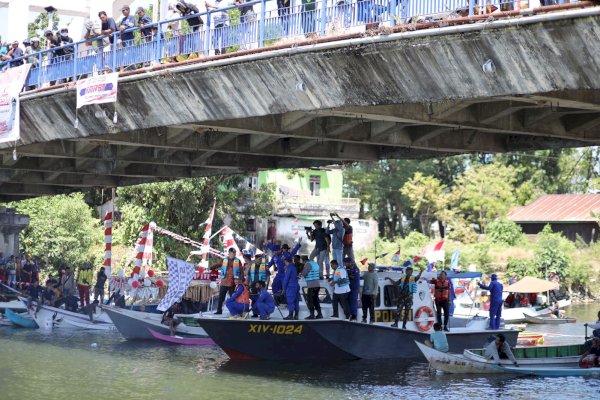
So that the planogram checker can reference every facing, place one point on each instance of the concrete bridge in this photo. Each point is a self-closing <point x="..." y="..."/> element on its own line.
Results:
<point x="401" y="93"/>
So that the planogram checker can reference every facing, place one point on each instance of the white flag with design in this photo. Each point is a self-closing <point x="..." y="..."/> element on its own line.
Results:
<point x="180" y="276"/>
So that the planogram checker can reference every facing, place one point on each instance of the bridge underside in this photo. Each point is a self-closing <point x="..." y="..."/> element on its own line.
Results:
<point x="406" y="99"/>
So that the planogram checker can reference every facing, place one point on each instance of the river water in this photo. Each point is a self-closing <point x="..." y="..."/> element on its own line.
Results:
<point x="64" y="365"/>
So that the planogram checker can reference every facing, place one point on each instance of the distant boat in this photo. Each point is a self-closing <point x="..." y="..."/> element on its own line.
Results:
<point x="198" y="341"/>
<point x="21" y="320"/>
<point x="61" y="318"/>
<point x="14" y="305"/>
<point x="472" y="361"/>
<point x="534" y="319"/>
<point x="551" y="371"/>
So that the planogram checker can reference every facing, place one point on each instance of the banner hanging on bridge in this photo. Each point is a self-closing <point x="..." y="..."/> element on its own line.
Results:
<point x="11" y="84"/>
<point x="97" y="90"/>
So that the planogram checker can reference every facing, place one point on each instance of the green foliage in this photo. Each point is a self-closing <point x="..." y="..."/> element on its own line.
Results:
<point x="522" y="268"/>
<point x="504" y="231"/>
<point x="552" y="253"/>
<point x="480" y="256"/>
<point x="426" y="198"/>
<point x="61" y="229"/>
<point x="415" y="240"/>
<point x="181" y="206"/>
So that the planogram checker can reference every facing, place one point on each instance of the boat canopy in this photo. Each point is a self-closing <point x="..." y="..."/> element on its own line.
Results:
<point x="529" y="284"/>
<point x="451" y="274"/>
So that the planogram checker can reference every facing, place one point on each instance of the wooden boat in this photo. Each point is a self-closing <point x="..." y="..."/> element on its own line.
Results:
<point x="551" y="371"/>
<point x="530" y="339"/>
<point x="198" y="341"/>
<point x="21" y="320"/>
<point x="535" y="319"/>
<point x="52" y="317"/>
<point x="472" y="361"/>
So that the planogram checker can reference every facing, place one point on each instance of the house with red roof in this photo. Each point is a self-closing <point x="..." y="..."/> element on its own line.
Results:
<point x="570" y="214"/>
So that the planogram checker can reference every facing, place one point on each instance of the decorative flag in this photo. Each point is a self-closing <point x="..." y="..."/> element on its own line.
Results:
<point x="407" y="263"/>
<point x="229" y="242"/>
<point x="107" y="243"/>
<point x="454" y="259"/>
<point x="396" y="256"/>
<point x="11" y="84"/>
<point x="381" y="256"/>
<point x="180" y="276"/>
<point x="434" y="252"/>
<point x="206" y="238"/>
<point x="364" y="261"/>
<point x="416" y="259"/>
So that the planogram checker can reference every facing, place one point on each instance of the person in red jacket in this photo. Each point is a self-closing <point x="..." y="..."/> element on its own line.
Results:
<point x="442" y="290"/>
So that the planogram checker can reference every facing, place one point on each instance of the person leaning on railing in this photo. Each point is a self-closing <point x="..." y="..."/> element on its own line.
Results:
<point x="14" y="53"/>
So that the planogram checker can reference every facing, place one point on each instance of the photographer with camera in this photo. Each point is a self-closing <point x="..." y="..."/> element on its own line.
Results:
<point x="337" y="237"/>
<point x="322" y="239"/>
<point x="347" y="239"/>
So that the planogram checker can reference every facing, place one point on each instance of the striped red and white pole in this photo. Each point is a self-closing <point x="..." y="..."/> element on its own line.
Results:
<point x="108" y="243"/>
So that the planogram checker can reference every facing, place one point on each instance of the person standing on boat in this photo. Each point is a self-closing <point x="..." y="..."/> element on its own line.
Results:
<point x="239" y="302"/>
<point x="322" y="240"/>
<point x="230" y="267"/>
<point x="337" y="237"/>
<point x="442" y="298"/>
<point x="341" y="290"/>
<point x="310" y="272"/>
<point x="354" y="278"/>
<point x="264" y="305"/>
<point x="67" y="283"/>
<point x="369" y="294"/>
<point x="495" y="288"/>
<point x="279" y="253"/>
<point x="499" y="350"/>
<point x="291" y="288"/>
<point x="99" y="287"/>
<point x="408" y="287"/>
<point x="84" y="282"/>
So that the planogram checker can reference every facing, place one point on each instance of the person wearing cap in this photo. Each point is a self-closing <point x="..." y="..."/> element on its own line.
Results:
<point x="230" y="267"/>
<point x="239" y="302"/>
<point x="127" y="22"/>
<point x="144" y="22"/>
<point x="354" y="278"/>
<point x="341" y="290"/>
<point x="14" y="53"/>
<point x="369" y="294"/>
<point x="291" y="288"/>
<point x="495" y="288"/>
<point x="264" y="305"/>
<point x="31" y="51"/>
<point x="279" y="253"/>
<point x="310" y="272"/>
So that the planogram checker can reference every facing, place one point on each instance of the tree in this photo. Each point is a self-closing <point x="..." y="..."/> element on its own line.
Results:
<point x="484" y="193"/>
<point x="504" y="231"/>
<point x="427" y="199"/>
<point x="40" y="24"/>
<point x="61" y="229"/>
<point x="181" y="206"/>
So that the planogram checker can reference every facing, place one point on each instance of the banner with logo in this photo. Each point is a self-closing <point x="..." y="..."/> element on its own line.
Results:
<point x="97" y="90"/>
<point x="11" y="84"/>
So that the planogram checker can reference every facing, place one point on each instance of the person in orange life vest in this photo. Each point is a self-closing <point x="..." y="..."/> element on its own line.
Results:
<point x="229" y="268"/>
<point x="442" y="298"/>
<point x="291" y="288"/>
<point x="239" y="302"/>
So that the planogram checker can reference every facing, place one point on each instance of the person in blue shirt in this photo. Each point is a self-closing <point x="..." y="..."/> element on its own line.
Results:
<point x="144" y="22"/>
<point x="495" y="289"/>
<point x="354" y="278"/>
<point x="127" y="22"/>
<point x="438" y="339"/>
<point x="264" y="305"/>
<point x="279" y="253"/>
<point x="291" y="288"/>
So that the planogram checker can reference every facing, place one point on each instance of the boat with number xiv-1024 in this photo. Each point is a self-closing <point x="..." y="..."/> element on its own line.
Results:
<point x="332" y="339"/>
<point x="472" y="361"/>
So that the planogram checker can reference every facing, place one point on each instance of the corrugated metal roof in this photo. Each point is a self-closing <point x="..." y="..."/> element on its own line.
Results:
<point x="558" y="208"/>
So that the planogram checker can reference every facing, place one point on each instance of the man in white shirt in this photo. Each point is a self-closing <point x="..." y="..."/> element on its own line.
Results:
<point x="499" y="350"/>
<point x="341" y="290"/>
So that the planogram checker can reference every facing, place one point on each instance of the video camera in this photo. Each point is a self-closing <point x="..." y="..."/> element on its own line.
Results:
<point x="308" y="229"/>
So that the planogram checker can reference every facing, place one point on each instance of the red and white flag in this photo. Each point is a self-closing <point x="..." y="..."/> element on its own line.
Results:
<point x="206" y="238"/>
<point x="434" y="252"/>
<point x="396" y="256"/>
<point x="229" y="242"/>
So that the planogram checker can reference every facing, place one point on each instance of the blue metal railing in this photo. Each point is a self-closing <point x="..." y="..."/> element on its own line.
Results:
<point x="170" y="39"/>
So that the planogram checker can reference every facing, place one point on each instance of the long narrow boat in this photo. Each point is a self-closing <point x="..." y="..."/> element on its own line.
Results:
<point x="136" y="325"/>
<point x="14" y="305"/>
<point x="551" y="371"/>
<point x="472" y="361"/>
<point x="534" y="319"/>
<point x="182" y="340"/>
<point x="23" y="321"/>
<point x="53" y="317"/>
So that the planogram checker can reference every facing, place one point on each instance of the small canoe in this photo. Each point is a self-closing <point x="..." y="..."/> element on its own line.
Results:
<point x="197" y="341"/>
<point x="549" y="320"/>
<point x="551" y="371"/>
<point x="22" y="320"/>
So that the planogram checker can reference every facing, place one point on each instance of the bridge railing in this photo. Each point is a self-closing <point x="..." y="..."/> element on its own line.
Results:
<point x="181" y="38"/>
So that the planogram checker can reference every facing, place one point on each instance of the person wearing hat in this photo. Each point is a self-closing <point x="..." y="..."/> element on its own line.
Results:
<point x="31" y="51"/>
<point x="310" y="272"/>
<point x="354" y="278"/>
<point x="127" y="22"/>
<point x="84" y="282"/>
<point x="239" y="302"/>
<point x="230" y="267"/>
<point x="264" y="304"/>
<point x="495" y="288"/>
<point x="279" y="253"/>
<point x="14" y="53"/>
<point x="291" y="288"/>
<point x="144" y="22"/>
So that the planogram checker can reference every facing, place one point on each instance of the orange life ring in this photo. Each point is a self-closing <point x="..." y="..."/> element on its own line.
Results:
<point x="421" y="325"/>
